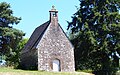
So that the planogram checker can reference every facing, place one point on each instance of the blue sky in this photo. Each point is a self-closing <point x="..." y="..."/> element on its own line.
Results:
<point x="36" y="12"/>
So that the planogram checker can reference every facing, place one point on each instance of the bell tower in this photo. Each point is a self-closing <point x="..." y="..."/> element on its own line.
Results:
<point x="53" y="14"/>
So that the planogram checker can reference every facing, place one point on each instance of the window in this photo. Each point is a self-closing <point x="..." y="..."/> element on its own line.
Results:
<point x="53" y="14"/>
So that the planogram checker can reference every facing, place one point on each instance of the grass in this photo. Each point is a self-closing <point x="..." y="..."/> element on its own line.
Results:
<point x="118" y="72"/>
<point x="86" y="71"/>
<point x="10" y="71"/>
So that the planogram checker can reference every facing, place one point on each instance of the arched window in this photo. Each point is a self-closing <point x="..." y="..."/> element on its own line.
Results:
<point x="56" y="65"/>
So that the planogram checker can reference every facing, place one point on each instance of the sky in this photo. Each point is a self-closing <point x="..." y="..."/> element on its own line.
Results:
<point x="36" y="12"/>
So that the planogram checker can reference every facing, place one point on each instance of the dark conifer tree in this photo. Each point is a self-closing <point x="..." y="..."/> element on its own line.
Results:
<point x="9" y="36"/>
<point x="96" y="27"/>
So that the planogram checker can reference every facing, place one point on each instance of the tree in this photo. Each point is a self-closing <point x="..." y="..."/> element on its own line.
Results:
<point x="6" y="20"/>
<point x="6" y="15"/>
<point x="13" y="57"/>
<point x="13" y="49"/>
<point x="96" y="26"/>
<point x="9" y="36"/>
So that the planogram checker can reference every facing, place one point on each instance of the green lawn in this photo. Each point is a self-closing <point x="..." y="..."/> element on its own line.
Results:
<point x="9" y="71"/>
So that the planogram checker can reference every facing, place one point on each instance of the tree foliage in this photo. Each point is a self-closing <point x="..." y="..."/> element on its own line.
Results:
<point x="9" y="36"/>
<point x="6" y="20"/>
<point x="96" y="30"/>
<point x="6" y="15"/>
<point x="13" y="57"/>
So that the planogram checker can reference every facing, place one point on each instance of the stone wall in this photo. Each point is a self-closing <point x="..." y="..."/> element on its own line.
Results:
<point x="55" y="45"/>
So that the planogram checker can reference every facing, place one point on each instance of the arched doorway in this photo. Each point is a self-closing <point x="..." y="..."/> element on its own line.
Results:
<point x="56" y="65"/>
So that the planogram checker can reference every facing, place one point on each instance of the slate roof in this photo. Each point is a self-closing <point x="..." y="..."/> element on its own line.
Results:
<point x="36" y="36"/>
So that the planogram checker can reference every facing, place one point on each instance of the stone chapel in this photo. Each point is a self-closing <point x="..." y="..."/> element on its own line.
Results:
<point x="48" y="48"/>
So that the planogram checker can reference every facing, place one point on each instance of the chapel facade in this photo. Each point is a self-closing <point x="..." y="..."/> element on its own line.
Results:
<point x="49" y="48"/>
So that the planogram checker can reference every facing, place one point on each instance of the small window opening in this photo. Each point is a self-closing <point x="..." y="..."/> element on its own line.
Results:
<point x="54" y="14"/>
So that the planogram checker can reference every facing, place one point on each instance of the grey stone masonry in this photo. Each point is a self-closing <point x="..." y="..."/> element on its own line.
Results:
<point x="52" y="44"/>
